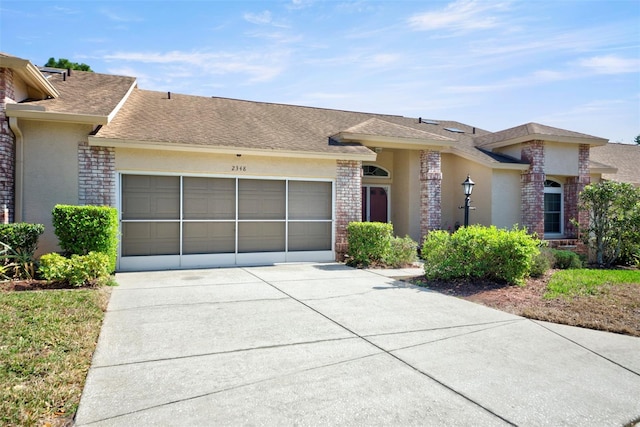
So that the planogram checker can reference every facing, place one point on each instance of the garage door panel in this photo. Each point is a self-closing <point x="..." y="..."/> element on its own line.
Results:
<point x="261" y="199"/>
<point x="310" y="236"/>
<point x="150" y="238"/>
<point x="310" y="200"/>
<point x="209" y="238"/>
<point x="261" y="237"/>
<point x="209" y="198"/>
<point x="150" y="197"/>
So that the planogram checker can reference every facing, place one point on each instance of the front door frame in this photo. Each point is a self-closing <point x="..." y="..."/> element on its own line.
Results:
<point x="387" y="189"/>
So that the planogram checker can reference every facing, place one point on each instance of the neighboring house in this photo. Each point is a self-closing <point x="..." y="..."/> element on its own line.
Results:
<point x="204" y="181"/>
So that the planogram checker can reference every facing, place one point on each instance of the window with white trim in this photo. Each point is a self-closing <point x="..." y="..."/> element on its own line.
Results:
<point x="553" y="208"/>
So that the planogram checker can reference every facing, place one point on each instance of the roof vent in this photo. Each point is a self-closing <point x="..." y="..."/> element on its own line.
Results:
<point x="428" y="122"/>
<point x="454" y="130"/>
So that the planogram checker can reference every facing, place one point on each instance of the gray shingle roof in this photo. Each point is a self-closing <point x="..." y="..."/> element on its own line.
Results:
<point x="624" y="157"/>
<point x="532" y="129"/>
<point x="86" y="93"/>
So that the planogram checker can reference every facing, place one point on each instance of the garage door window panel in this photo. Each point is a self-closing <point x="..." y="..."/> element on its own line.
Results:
<point x="309" y="200"/>
<point x="150" y="238"/>
<point x="261" y="237"/>
<point x="208" y="238"/>
<point x="261" y="199"/>
<point x="151" y="197"/>
<point x="209" y="198"/>
<point x="310" y="236"/>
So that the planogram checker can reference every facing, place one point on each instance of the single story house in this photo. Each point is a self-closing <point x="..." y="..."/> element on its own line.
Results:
<point x="207" y="181"/>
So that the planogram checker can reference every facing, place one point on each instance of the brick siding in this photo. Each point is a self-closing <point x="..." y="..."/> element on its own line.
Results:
<point x="348" y="201"/>
<point x="532" y="186"/>
<point x="96" y="175"/>
<point x="572" y="188"/>
<point x="7" y="144"/>
<point x="430" y="192"/>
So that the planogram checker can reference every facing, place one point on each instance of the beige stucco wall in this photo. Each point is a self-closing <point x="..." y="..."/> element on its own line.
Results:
<point x="50" y="172"/>
<point x="455" y="170"/>
<point x="561" y="159"/>
<point x="137" y="160"/>
<point x="514" y="151"/>
<point x="385" y="160"/>
<point x="19" y="90"/>
<point x="405" y="194"/>
<point x="506" y="200"/>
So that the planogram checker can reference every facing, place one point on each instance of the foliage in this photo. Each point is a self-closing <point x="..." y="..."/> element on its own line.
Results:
<point x="613" y="232"/>
<point x="66" y="64"/>
<point x="566" y="260"/>
<point x="542" y="262"/>
<point x="369" y="242"/>
<point x="570" y="283"/>
<point x="84" y="229"/>
<point x="637" y="139"/>
<point x="18" y="243"/>
<point x="403" y="252"/>
<point x="46" y="343"/>
<point x="77" y="270"/>
<point x="479" y="252"/>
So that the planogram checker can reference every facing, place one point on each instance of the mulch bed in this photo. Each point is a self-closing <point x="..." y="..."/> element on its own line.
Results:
<point x="615" y="309"/>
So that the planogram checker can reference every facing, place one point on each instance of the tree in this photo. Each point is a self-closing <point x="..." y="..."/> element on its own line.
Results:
<point x="614" y="221"/>
<point x="637" y="139"/>
<point x="66" y="64"/>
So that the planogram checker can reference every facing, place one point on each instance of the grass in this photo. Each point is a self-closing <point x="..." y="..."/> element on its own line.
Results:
<point x="47" y="339"/>
<point x="574" y="283"/>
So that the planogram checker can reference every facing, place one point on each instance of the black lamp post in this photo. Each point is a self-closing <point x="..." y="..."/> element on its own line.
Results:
<point x="468" y="188"/>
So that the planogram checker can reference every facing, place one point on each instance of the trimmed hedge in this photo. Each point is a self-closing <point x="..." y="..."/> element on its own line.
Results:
<point x="369" y="242"/>
<point x="403" y="252"/>
<point x="481" y="253"/>
<point x="84" y="229"/>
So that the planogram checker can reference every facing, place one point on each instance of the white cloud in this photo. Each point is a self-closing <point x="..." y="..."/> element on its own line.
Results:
<point x="611" y="64"/>
<point x="258" y="18"/>
<point x="461" y="15"/>
<point x="258" y="66"/>
<point x="118" y="17"/>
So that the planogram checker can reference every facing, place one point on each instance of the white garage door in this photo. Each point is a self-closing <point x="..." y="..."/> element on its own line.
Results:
<point x="185" y="221"/>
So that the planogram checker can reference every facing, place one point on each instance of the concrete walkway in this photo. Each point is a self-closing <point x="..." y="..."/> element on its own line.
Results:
<point x="325" y="344"/>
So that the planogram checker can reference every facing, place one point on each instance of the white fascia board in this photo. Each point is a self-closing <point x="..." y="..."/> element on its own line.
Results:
<point x="29" y="112"/>
<point x="168" y="146"/>
<point x="394" y="142"/>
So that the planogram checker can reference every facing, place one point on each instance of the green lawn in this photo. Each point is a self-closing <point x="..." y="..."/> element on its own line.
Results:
<point x="570" y="283"/>
<point x="47" y="339"/>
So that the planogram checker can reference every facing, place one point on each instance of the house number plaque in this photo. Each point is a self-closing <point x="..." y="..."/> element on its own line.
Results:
<point x="236" y="168"/>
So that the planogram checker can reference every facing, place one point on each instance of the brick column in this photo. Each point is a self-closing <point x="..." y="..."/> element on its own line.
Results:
<point x="572" y="189"/>
<point x="7" y="144"/>
<point x="348" y="201"/>
<point x="430" y="192"/>
<point x="96" y="175"/>
<point x="532" y="187"/>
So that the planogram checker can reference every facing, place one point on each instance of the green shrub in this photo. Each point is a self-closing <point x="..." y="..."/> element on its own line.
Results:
<point x="403" y="252"/>
<point x="542" y="262"/>
<point x="369" y="242"/>
<point x="566" y="260"/>
<point x="77" y="270"/>
<point x="479" y="252"/>
<point x="18" y="243"/>
<point x="84" y="229"/>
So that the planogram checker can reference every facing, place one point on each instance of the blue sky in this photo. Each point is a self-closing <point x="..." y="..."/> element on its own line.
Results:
<point x="490" y="64"/>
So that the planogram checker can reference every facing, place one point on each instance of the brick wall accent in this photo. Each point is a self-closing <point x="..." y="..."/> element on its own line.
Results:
<point x="7" y="144"/>
<point x="430" y="192"/>
<point x="348" y="201"/>
<point x="532" y="187"/>
<point x="96" y="175"/>
<point x="572" y="188"/>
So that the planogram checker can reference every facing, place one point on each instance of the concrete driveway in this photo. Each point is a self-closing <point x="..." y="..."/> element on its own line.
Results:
<point x="325" y="344"/>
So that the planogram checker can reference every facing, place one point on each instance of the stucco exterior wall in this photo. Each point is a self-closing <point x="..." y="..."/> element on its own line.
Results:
<point x="50" y="172"/>
<point x="505" y="203"/>
<point x="129" y="160"/>
<point x="457" y="171"/>
<point x="384" y="159"/>
<point x="405" y="194"/>
<point x="514" y="151"/>
<point x="560" y="159"/>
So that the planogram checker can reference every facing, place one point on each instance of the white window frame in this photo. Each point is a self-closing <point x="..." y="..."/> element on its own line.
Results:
<point x="555" y="190"/>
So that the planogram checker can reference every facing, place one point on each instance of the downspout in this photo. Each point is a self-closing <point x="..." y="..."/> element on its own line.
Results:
<point x="19" y="169"/>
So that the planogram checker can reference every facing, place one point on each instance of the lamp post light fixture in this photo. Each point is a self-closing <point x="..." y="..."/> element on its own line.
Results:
<point x="467" y="185"/>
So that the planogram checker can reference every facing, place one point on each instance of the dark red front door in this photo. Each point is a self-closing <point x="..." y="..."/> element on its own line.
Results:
<point x="374" y="204"/>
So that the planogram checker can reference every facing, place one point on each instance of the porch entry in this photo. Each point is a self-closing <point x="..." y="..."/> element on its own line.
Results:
<point x="375" y="203"/>
<point x="193" y="221"/>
